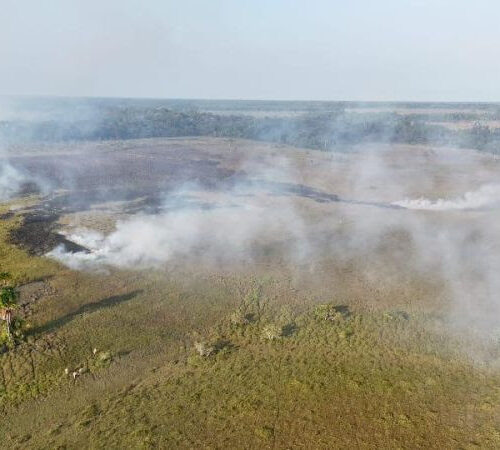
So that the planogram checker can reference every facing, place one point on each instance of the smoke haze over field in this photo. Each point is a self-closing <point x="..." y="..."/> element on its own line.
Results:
<point x="11" y="181"/>
<point x="390" y="195"/>
<point x="342" y="205"/>
<point x="454" y="242"/>
<point x="250" y="223"/>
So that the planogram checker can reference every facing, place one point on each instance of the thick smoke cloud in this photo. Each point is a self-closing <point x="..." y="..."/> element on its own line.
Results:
<point x="221" y="226"/>
<point x="225" y="233"/>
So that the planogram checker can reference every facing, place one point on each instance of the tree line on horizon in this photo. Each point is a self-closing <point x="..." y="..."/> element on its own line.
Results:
<point x="324" y="131"/>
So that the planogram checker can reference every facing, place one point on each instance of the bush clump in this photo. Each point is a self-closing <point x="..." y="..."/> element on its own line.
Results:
<point x="103" y="359"/>
<point x="330" y="312"/>
<point x="9" y="338"/>
<point x="346" y="333"/>
<point x="204" y="349"/>
<point x="265" y="432"/>
<point x="394" y="315"/>
<point x="240" y="318"/>
<point x="272" y="332"/>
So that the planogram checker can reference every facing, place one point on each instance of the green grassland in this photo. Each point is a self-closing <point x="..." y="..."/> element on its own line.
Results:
<point x="279" y="368"/>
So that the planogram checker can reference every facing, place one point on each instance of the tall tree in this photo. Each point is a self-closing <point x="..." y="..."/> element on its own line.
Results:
<point x="8" y="300"/>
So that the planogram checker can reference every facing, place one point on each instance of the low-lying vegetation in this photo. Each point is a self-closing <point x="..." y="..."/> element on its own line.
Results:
<point x="312" y="386"/>
<point x="140" y="359"/>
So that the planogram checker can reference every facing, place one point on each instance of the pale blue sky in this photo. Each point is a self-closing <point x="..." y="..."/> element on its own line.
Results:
<point x="255" y="49"/>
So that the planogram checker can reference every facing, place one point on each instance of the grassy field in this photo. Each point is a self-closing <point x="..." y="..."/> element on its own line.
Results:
<point x="284" y="371"/>
<point x="351" y="348"/>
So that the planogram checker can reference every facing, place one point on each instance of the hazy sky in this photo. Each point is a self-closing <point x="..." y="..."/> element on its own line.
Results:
<point x="256" y="49"/>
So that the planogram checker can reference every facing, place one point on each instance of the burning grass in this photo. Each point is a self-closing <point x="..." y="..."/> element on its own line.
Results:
<point x="196" y="354"/>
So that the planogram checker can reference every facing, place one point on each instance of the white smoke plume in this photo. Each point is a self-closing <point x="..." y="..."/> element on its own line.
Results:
<point x="228" y="229"/>
<point x="11" y="180"/>
<point x="486" y="196"/>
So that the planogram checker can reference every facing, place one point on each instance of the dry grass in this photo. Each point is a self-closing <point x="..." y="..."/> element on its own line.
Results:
<point x="373" y="367"/>
<point x="374" y="379"/>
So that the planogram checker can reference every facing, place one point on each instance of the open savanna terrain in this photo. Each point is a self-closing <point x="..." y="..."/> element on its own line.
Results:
<point x="313" y="303"/>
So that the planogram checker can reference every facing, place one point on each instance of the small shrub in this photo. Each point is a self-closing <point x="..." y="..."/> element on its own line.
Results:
<point x="265" y="432"/>
<point x="272" y="332"/>
<point x="4" y="275"/>
<point x="17" y="329"/>
<point x="103" y="356"/>
<point x="4" y="336"/>
<point x="240" y="318"/>
<point x="330" y="312"/>
<point x="289" y="329"/>
<point x="346" y="333"/>
<point x="393" y="315"/>
<point x="204" y="349"/>
<point x="102" y="359"/>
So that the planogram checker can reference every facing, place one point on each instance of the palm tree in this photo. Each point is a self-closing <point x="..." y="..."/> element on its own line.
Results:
<point x="8" y="302"/>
